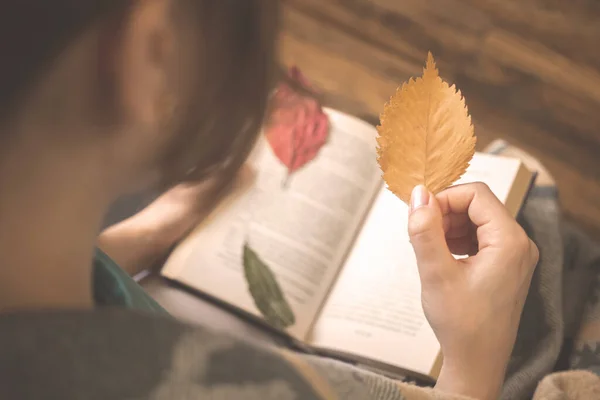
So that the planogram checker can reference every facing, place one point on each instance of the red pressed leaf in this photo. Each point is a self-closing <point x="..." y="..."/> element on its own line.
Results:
<point x="298" y="127"/>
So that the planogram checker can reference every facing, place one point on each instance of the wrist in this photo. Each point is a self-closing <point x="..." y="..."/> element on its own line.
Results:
<point x="167" y="221"/>
<point x="482" y="380"/>
<point x="134" y="246"/>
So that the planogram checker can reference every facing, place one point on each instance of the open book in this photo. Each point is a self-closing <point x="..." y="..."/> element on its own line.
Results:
<point x="336" y="239"/>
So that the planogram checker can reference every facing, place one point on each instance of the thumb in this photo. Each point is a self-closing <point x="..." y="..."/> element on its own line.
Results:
<point x="426" y="232"/>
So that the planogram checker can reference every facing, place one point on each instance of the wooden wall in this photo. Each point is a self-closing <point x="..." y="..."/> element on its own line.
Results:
<point x="529" y="70"/>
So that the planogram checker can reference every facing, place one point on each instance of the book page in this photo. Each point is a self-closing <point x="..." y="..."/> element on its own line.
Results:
<point x="374" y="310"/>
<point x="302" y="228"/>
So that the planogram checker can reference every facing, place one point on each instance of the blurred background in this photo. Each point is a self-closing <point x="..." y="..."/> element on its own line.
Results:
<point x="529" y="70"/>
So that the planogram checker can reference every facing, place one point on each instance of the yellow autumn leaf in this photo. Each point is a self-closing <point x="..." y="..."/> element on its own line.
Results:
<point x="425" y="135"/>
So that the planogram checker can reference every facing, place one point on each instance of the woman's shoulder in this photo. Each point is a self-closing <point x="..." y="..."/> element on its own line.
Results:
<point x="115" y="353"/>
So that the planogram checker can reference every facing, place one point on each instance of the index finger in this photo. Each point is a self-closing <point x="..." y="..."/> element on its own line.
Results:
<point x="474" y="199"/>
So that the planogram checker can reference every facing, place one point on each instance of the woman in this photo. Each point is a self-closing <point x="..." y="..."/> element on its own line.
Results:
<point x="98" y="98"/>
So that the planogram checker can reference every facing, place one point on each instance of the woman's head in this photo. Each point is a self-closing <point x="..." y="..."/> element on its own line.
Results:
<point x="173" y="87"/>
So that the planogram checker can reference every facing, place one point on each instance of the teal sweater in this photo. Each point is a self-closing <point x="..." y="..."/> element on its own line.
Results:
<point x="113" y="287"/>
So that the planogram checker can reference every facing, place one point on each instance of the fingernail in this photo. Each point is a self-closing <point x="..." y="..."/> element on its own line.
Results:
<point x="419" y="197"/>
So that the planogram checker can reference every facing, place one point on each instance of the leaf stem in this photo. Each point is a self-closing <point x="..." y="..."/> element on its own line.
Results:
<point x="285" y="183"/>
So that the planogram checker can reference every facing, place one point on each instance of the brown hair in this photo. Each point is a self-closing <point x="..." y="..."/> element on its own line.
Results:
<point x="231" y="103"/>
<point x="218" y="129"/>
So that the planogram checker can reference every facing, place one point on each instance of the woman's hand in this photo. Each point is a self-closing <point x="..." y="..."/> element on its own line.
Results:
<point x="142" y="240"/>
<point x="473" y="304"/>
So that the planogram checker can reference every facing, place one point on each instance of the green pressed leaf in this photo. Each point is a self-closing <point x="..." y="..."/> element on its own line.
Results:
<point x="265" y="291"/>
